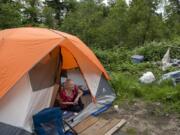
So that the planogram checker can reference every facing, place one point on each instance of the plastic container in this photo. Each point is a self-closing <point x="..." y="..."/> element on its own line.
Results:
<point x="137" y="58"/>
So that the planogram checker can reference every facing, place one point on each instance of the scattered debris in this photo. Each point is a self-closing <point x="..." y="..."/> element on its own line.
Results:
<point x="116" y="107"/>
<point x="147" y="78"/>
<point x="137" y="58"/>
<point x="175" y="76"/>
<point x="175" y="63"/>
<point x="166" y="60"/>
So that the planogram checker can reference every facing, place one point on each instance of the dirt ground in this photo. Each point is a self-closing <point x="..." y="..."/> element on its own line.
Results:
<point x="145" y="119"/>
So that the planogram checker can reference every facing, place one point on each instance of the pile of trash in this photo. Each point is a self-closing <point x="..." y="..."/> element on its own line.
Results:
<point x="174" y="76"/>
<point x="167" y="62"/>
<point x="147" y="78"/>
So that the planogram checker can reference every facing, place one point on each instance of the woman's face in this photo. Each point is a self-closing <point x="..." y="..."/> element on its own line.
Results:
<point x="69" y="85"/>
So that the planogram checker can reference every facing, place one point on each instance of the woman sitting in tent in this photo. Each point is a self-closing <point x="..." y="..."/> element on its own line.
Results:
<point x="70" y="97"/>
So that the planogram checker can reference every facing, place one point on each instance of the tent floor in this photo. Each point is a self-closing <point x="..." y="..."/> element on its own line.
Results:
<point x="98" y="126"/>
<point x="86" y="100"/>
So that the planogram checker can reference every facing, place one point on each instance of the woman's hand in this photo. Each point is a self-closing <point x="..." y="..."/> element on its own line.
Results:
<point x="80" y="93"/>
<point x="67" y="103"/>
<point x="76" y="100"/>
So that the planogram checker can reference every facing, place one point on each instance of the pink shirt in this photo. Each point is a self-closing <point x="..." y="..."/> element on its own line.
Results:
<point x="68" y="98"/>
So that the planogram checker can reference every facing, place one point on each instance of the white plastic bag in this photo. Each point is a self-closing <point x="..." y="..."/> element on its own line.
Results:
<point x="166" y="60"/>
<point x="147" y="78"/>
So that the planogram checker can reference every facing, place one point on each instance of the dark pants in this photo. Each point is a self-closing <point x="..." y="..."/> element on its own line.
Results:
<point x="75" y="108"/>
<point x="72" y="108"/>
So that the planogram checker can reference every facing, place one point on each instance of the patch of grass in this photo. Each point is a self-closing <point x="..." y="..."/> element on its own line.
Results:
<point x="131" y="131"/>
<point x="127" y="87"/>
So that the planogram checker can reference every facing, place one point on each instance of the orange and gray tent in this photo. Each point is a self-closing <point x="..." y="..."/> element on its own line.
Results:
<point x="31" y="60"/>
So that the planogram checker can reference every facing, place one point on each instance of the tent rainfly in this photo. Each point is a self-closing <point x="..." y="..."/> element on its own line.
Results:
<point x="31" y="61"/>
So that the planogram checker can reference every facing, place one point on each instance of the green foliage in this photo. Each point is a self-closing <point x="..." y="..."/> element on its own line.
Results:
<point x="31" y="12"/>
<point x="102" y="26"/>
<point x="125" y="74"/>
<point x="9" y="14"/>
<point x="131" y="131"/>
<point x="60" y="7"/>
<point x="51" y="13"/>
<point x="84" y="21"/>
<point x="113" y="57"/>
<point x="49" y="19"/>
<point x="155" y="51"/>
<point x="114" y="27"/>
<point x="144" y="23"/>
<point x="173" y="13"/>
<point x="127" y="87"/>
<point x="119" y="25"/>
<point x="118" y="60"/>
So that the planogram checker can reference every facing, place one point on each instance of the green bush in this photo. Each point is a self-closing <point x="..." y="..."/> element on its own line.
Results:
<point x="117" y="58"/>
<point x="154" y="51"/>
<point x="125" y="87"/>
<point x="112" y="58"/>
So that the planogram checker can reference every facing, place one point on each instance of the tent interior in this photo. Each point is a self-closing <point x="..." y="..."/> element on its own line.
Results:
<point x="78" y="79"/>
<point x="38" y="89"/>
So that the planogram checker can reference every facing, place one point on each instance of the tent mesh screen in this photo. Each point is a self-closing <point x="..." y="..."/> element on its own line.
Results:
<point x="43" y="74"/>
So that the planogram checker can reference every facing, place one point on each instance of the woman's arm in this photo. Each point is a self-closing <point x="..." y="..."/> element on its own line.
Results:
<point x="65" y="103"/>
<point x="80" y="93"/>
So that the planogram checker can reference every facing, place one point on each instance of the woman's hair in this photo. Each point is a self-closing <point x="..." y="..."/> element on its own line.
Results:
<point x="68" y="80"/>
<point x="68" y="83"/>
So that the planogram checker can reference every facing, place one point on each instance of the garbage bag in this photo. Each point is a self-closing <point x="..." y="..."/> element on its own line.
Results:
<point x="147" y="78"/>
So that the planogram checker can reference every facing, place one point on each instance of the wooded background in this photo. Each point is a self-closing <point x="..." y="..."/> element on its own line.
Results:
<point x="99" y="25"/>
